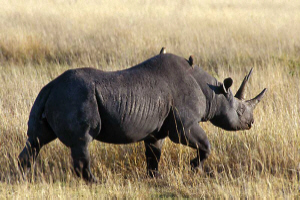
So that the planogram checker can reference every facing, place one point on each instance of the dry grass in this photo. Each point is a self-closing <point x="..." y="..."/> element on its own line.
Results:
<point x="41" y="39"/>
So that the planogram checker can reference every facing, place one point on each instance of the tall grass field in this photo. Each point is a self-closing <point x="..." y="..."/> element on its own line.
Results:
<point x="41" y="39"/>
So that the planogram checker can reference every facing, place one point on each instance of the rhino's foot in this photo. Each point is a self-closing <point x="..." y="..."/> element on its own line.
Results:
<point x="197" y="165"/>
<point x="153" y="153"/>
<point x="85" y="174"/>
<point x="24" y="165"/>
<point x="90" y="178"/>
<point x="23" y="169"/>
<point x="154" y="174"/>
<point x="81" y="163"/>
<point x="27" y="157"/>
<point x="198" y="170"/>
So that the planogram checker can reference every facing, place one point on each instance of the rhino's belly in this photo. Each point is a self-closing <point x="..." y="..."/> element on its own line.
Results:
<point x="129" y="128"/>
<point x="131" y="121"/>
<point x="121" y="134"/>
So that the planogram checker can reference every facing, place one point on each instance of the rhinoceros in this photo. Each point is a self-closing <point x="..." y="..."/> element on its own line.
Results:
<point x="161" y="97"/>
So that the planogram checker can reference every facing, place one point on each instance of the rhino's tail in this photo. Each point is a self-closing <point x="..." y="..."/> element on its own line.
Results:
<point x="37" y="114"/>
<point x="39" y="132"/>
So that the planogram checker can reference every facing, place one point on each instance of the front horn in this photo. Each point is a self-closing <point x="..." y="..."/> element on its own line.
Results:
<point x="253" y="102"/>
<point x="240" y="94"/>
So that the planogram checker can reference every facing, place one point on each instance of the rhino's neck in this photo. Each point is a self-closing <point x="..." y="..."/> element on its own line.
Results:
<point x="209" y="86"/>
<point x="212" y="100"/>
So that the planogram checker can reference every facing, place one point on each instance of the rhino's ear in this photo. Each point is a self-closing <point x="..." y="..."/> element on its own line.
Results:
<point x="227" y="83"/>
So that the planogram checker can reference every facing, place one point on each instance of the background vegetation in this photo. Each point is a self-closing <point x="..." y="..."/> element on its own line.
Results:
<point x="41" y="39"/>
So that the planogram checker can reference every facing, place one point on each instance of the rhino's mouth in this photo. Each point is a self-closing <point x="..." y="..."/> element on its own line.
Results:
<point x="249" y="125"/>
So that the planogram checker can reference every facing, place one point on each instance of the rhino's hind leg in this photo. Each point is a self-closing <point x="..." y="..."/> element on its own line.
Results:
<point x="39" y="134"/>
<point x="28" y="155"/>
<point x="153" y="153"/>
<point x="81" y="162"/>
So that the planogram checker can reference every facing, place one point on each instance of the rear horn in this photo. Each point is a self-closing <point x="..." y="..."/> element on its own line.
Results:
<point x="240" y="94"/>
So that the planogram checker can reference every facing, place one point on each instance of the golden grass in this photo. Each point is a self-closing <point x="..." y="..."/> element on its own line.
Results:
<point x="41" y="39"/>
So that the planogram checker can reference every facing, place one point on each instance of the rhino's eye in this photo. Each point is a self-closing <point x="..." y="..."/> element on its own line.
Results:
<point x="241" y="111"/>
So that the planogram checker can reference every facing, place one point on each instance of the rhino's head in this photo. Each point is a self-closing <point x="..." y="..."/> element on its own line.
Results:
<point x="234" y="112"/>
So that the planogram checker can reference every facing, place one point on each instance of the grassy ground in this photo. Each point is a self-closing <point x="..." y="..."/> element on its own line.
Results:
<point x="41" y="39"/>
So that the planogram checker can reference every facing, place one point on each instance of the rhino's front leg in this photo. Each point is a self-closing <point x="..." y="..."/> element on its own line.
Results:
<point x="196" y="138"/>
<point x="153" y="152"/>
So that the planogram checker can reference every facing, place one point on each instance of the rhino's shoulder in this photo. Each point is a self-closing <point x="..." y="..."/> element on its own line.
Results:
<point x="173" y="61"/>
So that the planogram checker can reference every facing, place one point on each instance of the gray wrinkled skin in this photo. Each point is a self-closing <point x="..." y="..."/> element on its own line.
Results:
<point x="161" y="97"/>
